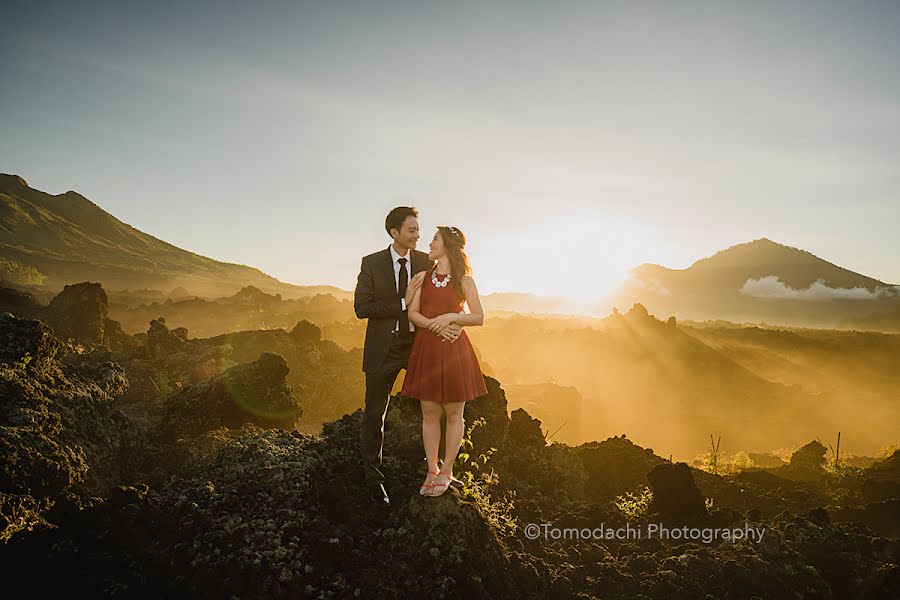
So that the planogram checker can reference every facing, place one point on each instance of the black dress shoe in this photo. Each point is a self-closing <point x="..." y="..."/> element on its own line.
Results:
<point x="379" y="496"/>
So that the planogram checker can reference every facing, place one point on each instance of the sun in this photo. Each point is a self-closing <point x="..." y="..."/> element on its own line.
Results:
<point x="582" y="261"/>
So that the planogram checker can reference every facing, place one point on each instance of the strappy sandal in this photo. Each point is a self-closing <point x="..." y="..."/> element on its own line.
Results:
<point x="423" y="491"/>
<point x="441" y="485"/>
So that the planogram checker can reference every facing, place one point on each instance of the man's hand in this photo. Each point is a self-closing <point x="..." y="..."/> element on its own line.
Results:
<point x="441" y="322"/>
<point x="451" y="333"/>
<point x="414" y="284"/>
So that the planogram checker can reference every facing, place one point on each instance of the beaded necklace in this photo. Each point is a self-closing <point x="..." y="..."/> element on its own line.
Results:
<point x="441" y="283"/>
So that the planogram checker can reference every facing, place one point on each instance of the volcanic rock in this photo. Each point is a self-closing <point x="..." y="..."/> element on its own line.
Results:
<point x="247" y="393"/>
<point x="675" y="494"/>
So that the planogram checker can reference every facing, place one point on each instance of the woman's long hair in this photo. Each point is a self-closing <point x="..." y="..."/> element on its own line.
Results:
<point x="454" y="242"/>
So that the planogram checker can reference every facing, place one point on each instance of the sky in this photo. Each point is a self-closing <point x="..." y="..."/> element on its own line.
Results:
<point x="569" y="141"/>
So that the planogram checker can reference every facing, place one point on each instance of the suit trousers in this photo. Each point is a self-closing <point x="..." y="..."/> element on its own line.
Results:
<point x="378" y="390"/>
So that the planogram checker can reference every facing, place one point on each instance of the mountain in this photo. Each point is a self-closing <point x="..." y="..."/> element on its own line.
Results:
<point x="70" y="239"/>
<point x="760" y="280"/>
<point x="730" y="269"/>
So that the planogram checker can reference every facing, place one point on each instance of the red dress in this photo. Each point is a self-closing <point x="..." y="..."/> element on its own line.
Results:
<point x="442" y="371"/>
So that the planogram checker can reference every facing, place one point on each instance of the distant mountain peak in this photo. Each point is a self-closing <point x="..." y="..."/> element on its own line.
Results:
<point x="14" y="180"/>
<point x="757" y="252"/>
<point x="762" y="259"/>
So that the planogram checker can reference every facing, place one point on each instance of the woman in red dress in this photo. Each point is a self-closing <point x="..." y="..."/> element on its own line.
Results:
<point x="443" y="371"/>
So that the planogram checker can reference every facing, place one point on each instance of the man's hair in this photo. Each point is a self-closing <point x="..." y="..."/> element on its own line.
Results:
<point x="396" y="217"/>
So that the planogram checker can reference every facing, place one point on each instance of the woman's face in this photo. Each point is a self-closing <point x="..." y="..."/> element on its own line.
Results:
<point x="436" y="246"/>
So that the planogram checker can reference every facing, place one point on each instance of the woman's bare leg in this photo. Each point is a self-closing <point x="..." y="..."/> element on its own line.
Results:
<point x="455" y="429"/>
<point x="431" y="436"/>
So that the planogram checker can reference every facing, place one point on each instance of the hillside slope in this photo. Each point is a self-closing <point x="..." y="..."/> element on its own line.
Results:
<point x="71" y="239"/>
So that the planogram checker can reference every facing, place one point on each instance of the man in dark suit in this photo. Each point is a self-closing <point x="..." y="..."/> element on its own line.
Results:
<point x="386" y="284"/>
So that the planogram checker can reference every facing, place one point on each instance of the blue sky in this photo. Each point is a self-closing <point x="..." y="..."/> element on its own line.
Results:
<point x="569" y="141"/>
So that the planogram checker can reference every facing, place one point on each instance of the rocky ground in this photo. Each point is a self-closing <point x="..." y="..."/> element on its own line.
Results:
<point x="205" y="493"/>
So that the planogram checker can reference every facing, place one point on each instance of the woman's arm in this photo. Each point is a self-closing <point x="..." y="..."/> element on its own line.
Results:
<point x="414" y="316"/>
<point x="475" y="315"/>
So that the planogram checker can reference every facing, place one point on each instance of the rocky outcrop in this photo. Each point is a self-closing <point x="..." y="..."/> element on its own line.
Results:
<point x="247" y="393"/>
<point x="60" y="435"/>
<point x="167" y="362"/>
<point x="615" y="466"/>
<point x="79" y="312"/>
<point x="326" y="379"/>
<point x="810" y="457"/>
<point x="675" y="494"/>
<point x="806" y="464"/>
<point x="21" y="304"/>
<point x="162" y="342"/>
<point x="304" y="331"/>
<point x="526" y="431"/>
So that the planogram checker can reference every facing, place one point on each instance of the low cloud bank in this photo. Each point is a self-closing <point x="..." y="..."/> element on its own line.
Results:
<point x="771" y="286"/>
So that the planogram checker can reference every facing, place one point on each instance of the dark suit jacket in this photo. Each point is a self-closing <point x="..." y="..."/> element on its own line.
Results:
<point x="376" y="299"/>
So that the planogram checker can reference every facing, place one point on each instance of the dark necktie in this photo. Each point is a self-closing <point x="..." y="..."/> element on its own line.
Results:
<point x="401" y="290"/>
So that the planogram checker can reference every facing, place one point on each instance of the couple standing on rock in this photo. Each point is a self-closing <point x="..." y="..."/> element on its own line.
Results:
<point x="414" y="304"/>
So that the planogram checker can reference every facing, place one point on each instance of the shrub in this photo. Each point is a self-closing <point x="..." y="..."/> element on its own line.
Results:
<point x="477" y="483"/>
<point x="634" y="505"/>
<point x="22" y="274"/>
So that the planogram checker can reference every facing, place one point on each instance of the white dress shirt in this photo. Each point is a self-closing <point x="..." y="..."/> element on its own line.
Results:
<point x="408" y="267"/>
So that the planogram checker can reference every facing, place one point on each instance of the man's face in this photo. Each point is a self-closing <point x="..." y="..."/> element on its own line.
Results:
<point x="408" y="235"/>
